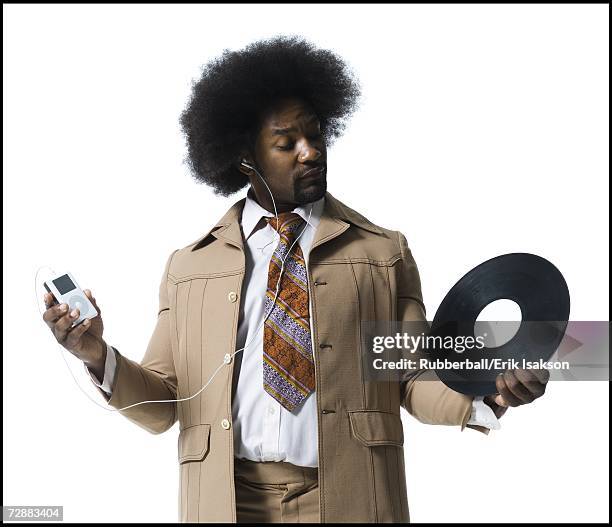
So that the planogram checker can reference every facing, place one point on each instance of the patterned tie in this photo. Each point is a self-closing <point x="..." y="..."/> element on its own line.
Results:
<point x="288" y="364"/>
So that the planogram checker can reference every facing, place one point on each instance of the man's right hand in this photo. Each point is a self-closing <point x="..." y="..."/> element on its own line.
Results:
<point x="83" y="341"/>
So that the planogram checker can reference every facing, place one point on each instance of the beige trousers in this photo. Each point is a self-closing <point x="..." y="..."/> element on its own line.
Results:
<point x="275" y="492"/>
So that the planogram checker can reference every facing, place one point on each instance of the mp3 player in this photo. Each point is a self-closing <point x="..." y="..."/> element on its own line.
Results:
<point x="66" y="291"/>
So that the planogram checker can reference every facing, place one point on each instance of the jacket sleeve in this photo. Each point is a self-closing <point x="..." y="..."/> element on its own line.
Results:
<point x="153" y="379"/>
<point x="423" y="394"/>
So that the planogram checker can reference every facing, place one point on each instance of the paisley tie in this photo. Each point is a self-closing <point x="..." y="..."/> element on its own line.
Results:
<point x="288" y="364"/>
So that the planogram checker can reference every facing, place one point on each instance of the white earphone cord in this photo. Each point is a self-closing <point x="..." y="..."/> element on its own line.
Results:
<point x="235" y="352"/>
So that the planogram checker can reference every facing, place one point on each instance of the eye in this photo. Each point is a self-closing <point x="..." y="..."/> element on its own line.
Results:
<point x="288" y="146"/>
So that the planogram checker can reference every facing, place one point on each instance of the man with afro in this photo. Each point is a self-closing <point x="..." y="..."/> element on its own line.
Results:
<point x="257" y="352"/>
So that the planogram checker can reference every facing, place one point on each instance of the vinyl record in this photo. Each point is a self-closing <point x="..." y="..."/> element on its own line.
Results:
<point x="531" y="281"/>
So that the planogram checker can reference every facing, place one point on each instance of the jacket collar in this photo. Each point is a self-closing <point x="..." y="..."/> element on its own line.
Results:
<point x="335" y="219"/>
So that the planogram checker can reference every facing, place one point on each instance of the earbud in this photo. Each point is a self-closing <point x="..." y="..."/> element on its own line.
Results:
<point x="244" y="163"/>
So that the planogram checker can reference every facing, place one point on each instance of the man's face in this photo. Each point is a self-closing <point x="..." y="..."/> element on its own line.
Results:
<point x="291" y="156"/>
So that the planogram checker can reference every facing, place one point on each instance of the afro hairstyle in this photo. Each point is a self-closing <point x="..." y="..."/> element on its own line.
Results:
<point x="222" y="115"/>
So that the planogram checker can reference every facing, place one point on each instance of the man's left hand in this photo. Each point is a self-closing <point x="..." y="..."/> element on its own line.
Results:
<point x="517" y="387"/>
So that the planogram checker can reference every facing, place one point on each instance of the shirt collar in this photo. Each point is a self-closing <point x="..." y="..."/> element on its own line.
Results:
<point x="253" y="212"/>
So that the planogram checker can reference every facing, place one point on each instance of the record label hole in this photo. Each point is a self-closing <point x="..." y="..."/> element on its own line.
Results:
<point x="498" y="322"/>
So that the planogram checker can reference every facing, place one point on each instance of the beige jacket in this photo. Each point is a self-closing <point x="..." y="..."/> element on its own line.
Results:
<point x="357" y="271"/>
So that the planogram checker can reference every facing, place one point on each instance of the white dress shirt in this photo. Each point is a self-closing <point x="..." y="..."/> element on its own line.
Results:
<point x="264" y="430"/>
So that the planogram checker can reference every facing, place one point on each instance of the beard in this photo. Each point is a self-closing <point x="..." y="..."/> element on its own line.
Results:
<point x="311" y="192"/>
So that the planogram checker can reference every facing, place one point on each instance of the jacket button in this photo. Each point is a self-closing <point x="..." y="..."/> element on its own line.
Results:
<point x="232" y="296"/>
<point x="225" y="424"/>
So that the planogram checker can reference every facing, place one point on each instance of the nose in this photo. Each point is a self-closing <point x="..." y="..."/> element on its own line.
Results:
<point x="308" y="153"/>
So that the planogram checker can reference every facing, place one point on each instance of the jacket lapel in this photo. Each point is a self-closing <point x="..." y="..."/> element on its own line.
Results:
<point x="336" y="218"/>
<point x="330" y="225"/>
<point x="226" y="229"/>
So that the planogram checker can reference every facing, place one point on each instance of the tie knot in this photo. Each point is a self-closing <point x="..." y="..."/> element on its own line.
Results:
<point x="288" y="223"/>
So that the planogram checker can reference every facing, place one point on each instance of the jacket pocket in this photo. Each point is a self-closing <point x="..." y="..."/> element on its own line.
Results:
<point x="373" y="427"/>
<point x="193" y="443"/>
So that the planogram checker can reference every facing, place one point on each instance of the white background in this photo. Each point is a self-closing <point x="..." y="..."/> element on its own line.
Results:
<point x="483" y="130"/>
